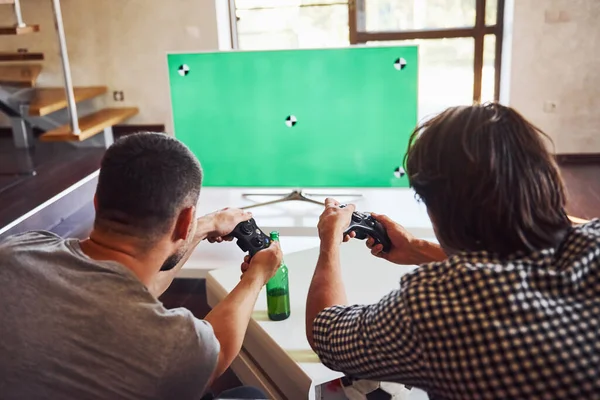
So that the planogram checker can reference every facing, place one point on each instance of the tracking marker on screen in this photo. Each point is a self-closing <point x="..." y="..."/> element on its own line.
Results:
<point x="291" y="121"/>
<point x="400" y="64"/>
<point x="183" y="70"/>
<point x="399" y="172"/>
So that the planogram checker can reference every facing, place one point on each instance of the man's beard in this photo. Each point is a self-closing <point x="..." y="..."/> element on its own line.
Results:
<point x="172" y="261"/>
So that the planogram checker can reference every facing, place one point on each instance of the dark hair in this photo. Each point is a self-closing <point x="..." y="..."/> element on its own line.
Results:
<point x="488" y="180"/>
<point x="145" y="180"/>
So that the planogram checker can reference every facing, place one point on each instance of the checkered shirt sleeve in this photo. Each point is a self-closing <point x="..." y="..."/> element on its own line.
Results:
<point x="375" y="341"/>
<point x="480" y="326"/>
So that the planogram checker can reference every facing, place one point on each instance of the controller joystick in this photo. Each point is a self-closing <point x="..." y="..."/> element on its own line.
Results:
<point x="250" y="238"/>
<point x="246" y="227"/>
<point x="364" y="225"/>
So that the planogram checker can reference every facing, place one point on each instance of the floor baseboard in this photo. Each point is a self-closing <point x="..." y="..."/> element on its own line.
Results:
<point x="578" y="158"/>
<point x="118" y="130"/>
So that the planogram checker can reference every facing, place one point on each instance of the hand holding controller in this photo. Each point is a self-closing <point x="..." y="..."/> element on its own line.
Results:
<point x="249" y="237"/>
<point x="364" y="225"/>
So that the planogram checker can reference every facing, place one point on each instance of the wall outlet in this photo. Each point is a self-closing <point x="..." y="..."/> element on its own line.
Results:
<point x="550" y="107"/>
<point x="563" y="16"/>
<point x="556" y="16"/>
<point x="118" y="95"/>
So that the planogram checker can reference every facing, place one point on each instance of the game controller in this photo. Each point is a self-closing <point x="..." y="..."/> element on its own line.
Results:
<point x="250" y="238"/>
<point x="364" y="225"/>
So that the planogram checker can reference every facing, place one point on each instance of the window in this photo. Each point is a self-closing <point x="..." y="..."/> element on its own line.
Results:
<point x="285" y="24"/>
<point x="460" y="41"/>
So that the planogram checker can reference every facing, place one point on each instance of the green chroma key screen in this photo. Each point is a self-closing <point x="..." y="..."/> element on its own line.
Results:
<point x="297" y="118"/>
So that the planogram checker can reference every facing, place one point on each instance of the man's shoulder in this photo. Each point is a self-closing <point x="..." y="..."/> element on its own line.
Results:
<point x="178" y="318"/>
<point x="192" y="354"/>
<point x="582" y="243"/>
<point x="583" y="239"/>
<point x="182" y="321"/>
<point x="430" y="272"/>
<point x="589" y="229"/>
<point x="454" y="268"/>
<point x="28" y="239"/>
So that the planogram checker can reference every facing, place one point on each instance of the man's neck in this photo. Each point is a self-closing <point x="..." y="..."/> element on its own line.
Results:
<point x="127" y="251"/>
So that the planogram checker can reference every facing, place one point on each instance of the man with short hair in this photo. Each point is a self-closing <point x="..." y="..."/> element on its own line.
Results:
<point x="81" y="319"/>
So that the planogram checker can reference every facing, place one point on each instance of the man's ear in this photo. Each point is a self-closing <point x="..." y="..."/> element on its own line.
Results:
<point x="184" y="223"/>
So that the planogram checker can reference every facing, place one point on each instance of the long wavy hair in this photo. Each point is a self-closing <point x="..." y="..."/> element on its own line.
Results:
<point x="488" y="180"/>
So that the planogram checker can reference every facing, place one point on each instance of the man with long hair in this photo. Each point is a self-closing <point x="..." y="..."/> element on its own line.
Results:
<point x="506" y="306"/>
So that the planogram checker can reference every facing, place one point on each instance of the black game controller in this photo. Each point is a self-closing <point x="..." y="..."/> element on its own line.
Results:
<point x="364" y="225"/>
<point x="250" y="238"/>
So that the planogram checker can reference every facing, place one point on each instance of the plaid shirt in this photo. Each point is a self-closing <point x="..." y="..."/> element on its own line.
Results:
<point x="479" y="327"/>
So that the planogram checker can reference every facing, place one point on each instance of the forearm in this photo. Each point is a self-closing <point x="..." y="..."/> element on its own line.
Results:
<point x="327" y="287"/>
<point x="426" y="252"/>
<point x="230" y="319"/>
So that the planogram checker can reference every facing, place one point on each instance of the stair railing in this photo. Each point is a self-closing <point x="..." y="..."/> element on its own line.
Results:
<point x="71" y="104"/>
<point x="20" y="23"/>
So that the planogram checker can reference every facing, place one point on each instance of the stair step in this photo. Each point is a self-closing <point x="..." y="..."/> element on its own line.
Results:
<point x="5" y="56"/>
<point x="90" y="125"/>
<point x="20" y="75"/>
<point x="49" y="100"/>
<point x="16" y="30"/>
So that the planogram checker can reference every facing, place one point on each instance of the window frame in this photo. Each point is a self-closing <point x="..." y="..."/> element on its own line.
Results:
<point x="359" y="35"/>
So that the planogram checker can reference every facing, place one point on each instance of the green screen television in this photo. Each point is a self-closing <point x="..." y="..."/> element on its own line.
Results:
<point x="297" y="118"/>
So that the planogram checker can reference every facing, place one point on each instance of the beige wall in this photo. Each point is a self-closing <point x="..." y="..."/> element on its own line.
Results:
<point x="556" y="60"/>
<point x="121" y="44"/>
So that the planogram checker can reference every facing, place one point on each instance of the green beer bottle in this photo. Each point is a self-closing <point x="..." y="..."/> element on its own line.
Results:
<point x="278" y="291"/>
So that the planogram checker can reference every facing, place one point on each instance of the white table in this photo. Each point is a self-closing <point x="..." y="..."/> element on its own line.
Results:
<point x="297" y="221"/>
<point x="276" y="355"/>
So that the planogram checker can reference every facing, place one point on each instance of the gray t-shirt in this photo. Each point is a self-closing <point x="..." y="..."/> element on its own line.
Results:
<point x="73" y="327"/>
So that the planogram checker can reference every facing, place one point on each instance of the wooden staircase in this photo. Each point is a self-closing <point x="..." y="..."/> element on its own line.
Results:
<point x="20" y="56"/>
<point x="20" y="75"/>
<point x="41" y="102"/>
<point x="48" y="100"/>
<point x="90" y="125"/>
<point x="18" y="30"/>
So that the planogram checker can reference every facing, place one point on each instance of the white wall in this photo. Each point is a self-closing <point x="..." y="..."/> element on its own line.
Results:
<point x="121" y="44"/>
<point x="555" y="60"/>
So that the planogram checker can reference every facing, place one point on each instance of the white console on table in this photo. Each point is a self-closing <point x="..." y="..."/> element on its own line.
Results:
<point x="297" y="221"/>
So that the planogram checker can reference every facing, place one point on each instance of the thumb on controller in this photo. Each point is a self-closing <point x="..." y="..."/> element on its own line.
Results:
<point x="386" y="221"/>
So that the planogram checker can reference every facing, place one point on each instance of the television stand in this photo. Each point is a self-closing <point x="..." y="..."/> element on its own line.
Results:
<point x="295" y="195"/>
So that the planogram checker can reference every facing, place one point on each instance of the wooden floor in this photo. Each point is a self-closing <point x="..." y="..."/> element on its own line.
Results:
<point x="58" y="166"/>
